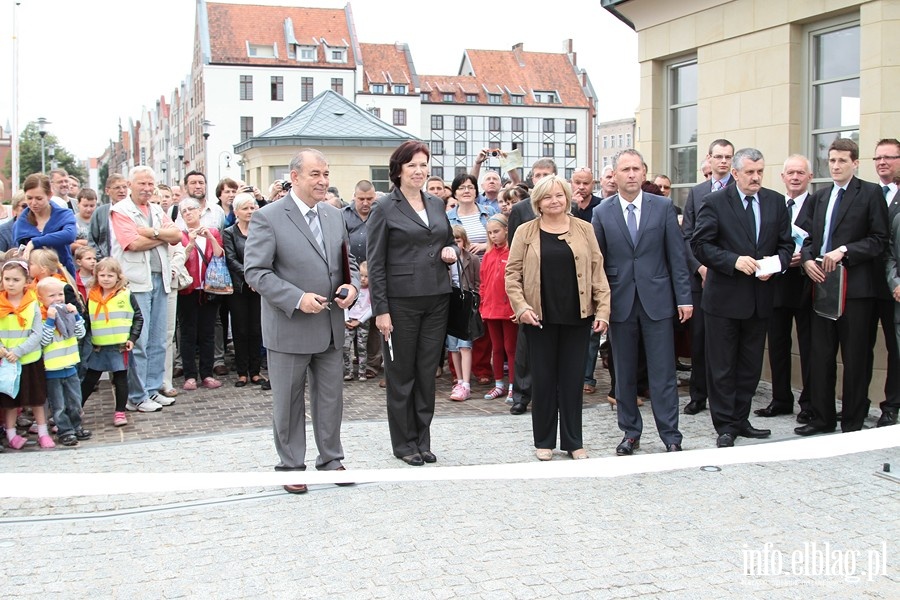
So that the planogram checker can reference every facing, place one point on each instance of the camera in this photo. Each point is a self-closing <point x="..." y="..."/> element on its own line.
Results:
<point x="286" y="186"/>
<point x="495" y="153"/>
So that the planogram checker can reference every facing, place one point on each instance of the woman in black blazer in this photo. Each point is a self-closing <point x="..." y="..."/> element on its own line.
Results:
<point x="244" y="302"/>
<point x="410" y="245"/>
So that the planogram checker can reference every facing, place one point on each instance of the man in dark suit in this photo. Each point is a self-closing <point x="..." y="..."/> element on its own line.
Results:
<point x="643" y="256"/>
<point x="736" y="228"/>
<point x="793" y="302"/>
<point x="295" y="259"/>
<point x="849" y="226"/>
<point x="522" y="213"/>
<point x="887" y="165"/>
<point x="719" y="158"/>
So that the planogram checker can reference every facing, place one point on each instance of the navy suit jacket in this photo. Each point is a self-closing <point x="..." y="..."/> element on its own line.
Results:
<point x="722" y="235"/>
<point x="654" y="269"/>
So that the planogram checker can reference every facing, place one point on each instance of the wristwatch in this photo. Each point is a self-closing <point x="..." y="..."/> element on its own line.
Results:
<point x="843" y="249"/>
<point x="155" y="234"/>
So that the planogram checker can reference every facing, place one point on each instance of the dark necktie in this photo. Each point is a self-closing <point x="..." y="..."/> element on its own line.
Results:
<point x="631" y="221"/>
<point x="834" y="213"/>
<point x="886" y="189"/>
<point x="751" y="218"/>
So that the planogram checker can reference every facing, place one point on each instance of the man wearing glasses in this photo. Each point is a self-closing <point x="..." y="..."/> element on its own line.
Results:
<point x="721" y="152"/>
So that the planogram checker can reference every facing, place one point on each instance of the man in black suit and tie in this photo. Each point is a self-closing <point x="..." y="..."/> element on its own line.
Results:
<point x="887" y="165"/>
<point x="849" y="226"/>
<point x="793" y="302"/>
<point x="643" y="251"/>
<point x="736" y="228"/>
<point x="719" y="158"/>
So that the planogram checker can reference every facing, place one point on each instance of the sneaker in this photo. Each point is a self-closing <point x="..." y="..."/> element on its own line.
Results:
<point x="149" y="406"/>
<point x="509" y="398"/>
<point x="460" y="393"/>
<point x="211" y="383"/>
<point x="189" y="384"/>
<point x="129" y="405"/>
<point x="348" y="377"/>
<point x="162" y="400"/>
<point x="494" y="393"/>
<point x="119" y="420"/>
<point x="83" y="434"/>
<point x="67" y="440"/>
<point x="46" y="441"/>
<point x="363" y="377"/>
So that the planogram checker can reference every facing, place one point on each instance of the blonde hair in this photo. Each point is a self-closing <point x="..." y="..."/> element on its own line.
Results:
<point x="543" y="188"/>
<point x="82" y="250"/>
<point x="110" y="264"/>
<point x="44" y="286"/>
<point x="498" y="218"/>
<point x="460" y="232"/>
<point x="49" y="259"/>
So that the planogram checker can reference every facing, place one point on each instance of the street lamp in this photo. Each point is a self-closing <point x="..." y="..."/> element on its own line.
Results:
<point x="51" y="152"/>
<point x="180" y="161"/>
<point x="206" y="124"/>
<point x="42" y="130"/>
<point x="227" y="163"/>
<point x="164" y="166"/>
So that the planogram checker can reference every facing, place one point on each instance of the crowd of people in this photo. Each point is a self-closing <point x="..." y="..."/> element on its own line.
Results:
<point x="565" y="270"/>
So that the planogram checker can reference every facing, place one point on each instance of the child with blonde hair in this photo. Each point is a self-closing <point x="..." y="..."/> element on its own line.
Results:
<point x="495" y="307"/>
<point x="461" y="350"/>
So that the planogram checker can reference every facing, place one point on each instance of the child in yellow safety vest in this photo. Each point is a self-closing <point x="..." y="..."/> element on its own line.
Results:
<point x="116" y="324"/>
<point x="20" y="341"/>
<point x="63" y="327"/>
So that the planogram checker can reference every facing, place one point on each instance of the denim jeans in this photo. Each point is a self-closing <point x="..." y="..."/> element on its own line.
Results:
<point x="147" y="368"/>
<point x="64" y="396"/>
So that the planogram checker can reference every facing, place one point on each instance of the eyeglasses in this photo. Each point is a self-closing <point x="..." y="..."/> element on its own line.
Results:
<point x="885" y="158"/>
<point x="466" y="188"/>
<point x="583" y="170"/>
<point x="722" y="156"/>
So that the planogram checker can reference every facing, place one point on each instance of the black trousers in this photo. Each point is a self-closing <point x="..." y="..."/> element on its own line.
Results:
<point x="197" y="322"/>
<point x="781" y="325"/>
<point x="884" y="310"/>
<point x="119" y="382"/>
<point x="556" y="354"/>
<point x="734" y="354"/>
<point x="852" y="333"/>
<point x="521" y="369"/>
<point x="246" y="330"/>
<point x="697" y="388"/>
<point x="420" y="325"/>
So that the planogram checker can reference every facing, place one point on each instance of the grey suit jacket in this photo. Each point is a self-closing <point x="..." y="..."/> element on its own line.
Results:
<point x="654" y="268"/>
<point x="282" y="261"/>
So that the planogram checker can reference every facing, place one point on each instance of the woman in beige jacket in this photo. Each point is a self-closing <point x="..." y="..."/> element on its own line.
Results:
<point x="557" y="287"/>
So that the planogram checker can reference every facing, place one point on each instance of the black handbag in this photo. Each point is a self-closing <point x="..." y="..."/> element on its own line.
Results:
<point x="464" y="319"/>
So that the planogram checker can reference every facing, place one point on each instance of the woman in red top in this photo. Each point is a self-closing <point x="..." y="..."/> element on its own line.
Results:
<point x="495" y="308"/>
<point x="196" y="314"/>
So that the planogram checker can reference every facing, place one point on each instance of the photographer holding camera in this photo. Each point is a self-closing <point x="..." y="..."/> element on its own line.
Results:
<point x="491" y="183"/>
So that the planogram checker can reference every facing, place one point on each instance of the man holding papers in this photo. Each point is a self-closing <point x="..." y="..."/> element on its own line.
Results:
<point x="737" y="229"/>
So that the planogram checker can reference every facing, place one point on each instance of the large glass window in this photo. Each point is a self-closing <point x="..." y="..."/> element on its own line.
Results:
<point x="681" y="130"/>
<point x="277" y="88"/>
<point x="834" y="90"/>
<point x="306" y="89"/>
<point x="246" y="128"/>
<point x="437" y="121"/>
<point x="459" y="123"/>
<point x="246" y="87"/>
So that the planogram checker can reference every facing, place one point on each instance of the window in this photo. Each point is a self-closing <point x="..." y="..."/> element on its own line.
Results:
<point x="459" y="171"/>
<point x="628" y="141"/>
<point x="459" y="123"/>
<point x="472" y="98"/>
<point x="337" y="55"/>
<point x="516" y="99"/>
<point x="569" y="172"/>
<point x="437" y="172"/>
<point x="426" y="97"/>
<point x="306" y="89"/>
<point x="379" y="176"/>
<point x="495" y="98"/>
<point x="548" y="125"/>
<point x="517" y="124"/>
<point x="547" y="149"/>
<point x="459" y="148"/>
<point x="277" y="88"/>
<point x="246" y="87"/>
<point x="546" y="97"/>
<point x="437" y="147"/>
<point x="681" y="132"/>
<point x="377" y="88"/>
<point x="605" y="142"/>
<point x="275" y="121"/>
<point x="570" y="151"/>
<point x="621" y="140"/>
<point x="306" y="53"/>
<point x="261" y="51"/>
<point x="494" y="123"/>
<point x="437" y="121"/>
<point x="571" y="126"/>
<point x="376" y="112"/>
<point x="337" y="85"/>
<point x="834" y="90"/>
<point x="400" y="89"/>
<point x="447" y="97"/>
<point x="246" y="128"/>
<point x="400" y="116"/>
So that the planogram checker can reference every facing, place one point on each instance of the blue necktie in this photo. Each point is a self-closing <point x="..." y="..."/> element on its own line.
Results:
<point x="886" y="189"/>
<point x="631" y="221"/>
<point x="834" y="213"/>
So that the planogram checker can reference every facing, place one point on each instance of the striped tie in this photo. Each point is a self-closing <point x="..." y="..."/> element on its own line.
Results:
<point x="311" y="216"/>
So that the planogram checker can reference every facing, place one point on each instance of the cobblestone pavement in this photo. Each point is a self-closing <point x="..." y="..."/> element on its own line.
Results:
<point x="687" y="533"/>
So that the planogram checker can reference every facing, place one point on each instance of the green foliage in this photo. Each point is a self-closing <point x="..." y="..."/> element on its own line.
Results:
<point x="30" y="155"/>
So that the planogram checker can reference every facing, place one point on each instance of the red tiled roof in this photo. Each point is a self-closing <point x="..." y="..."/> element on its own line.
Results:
<point x="233" y="26"/>
<point x="516" y="71"/>
<point x="385" y="63"/>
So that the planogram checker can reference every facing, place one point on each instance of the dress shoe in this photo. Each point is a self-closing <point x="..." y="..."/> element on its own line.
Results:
<point x="413" y="460"/>
<point x="773" y="410"/>
<point x="680" y="366"/>
<point x="428" y="456"/>
<point x="589" y="389"/>
<point x="726" y="440"/>
<point x="544" y="454"/>
<point x="753" y="432"/>
<point x="804" y="416"/>
<point x="811" y="429"/>
<point x="673" y="448"/>
<point x="343" y="483"/>
<point x="694" y="406"/>
<point x="627" y="446"/>
<point x="177" y="372"/>
<point x="888" y="417"/>
<point x="220" y="370"/>
<point x="296" y="489"/>
<point x="579" y="454"/>
<point x="518" y="408"/>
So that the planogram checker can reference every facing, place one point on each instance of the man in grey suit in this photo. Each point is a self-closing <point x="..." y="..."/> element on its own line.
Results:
<point x="643" y="252"/>
<point x="295" y="258"/>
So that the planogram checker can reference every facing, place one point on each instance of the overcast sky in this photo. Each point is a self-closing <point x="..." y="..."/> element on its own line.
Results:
<point x="83" y="64"/>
